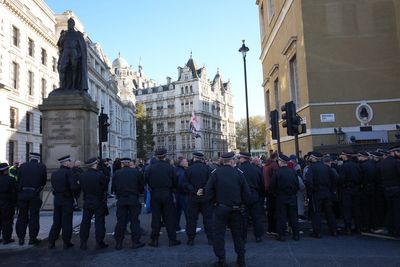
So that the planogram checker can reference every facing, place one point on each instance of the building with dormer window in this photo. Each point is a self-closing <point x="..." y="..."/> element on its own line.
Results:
<point x="170" y="107"/>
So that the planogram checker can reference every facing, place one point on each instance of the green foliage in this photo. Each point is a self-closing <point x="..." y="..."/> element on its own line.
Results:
<point x="258" y="133"/>
<point x="144" y="132"/>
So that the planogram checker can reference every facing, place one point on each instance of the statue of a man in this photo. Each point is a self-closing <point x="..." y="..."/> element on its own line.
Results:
<point x="72" y="61"/>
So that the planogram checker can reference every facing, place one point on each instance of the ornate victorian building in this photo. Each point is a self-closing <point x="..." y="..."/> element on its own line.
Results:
<point x="170" y="107"/>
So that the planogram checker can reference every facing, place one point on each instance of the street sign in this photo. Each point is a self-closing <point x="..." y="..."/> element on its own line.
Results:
<point x="327" y="117"/>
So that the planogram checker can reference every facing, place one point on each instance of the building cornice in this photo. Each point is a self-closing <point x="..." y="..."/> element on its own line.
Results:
<point x="17" y="10"/>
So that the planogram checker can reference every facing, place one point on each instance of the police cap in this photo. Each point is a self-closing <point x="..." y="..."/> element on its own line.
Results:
<point x="34" y="155"/>
<point x="91" y="161"/>
<point x="198" y="155"/>
<point x="376" y="154"/>
<point x="64" y="159"/>
<point x="347" y="152"/>
<point x="363" y="154"/>
<point x="283" y="158"/>
<point x="3" y="166"/>
<point x="161" y="152"/>
<point x="125" y="160"/>
<point x="228" y="155"/>
<point x="245" y="155"/>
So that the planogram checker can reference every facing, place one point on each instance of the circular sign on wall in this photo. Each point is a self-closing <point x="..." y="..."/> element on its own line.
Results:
<point x="364" y="113"/>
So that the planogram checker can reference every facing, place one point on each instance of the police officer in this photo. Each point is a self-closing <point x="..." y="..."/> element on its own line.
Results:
<point x="349" y="181"/>
<point x="228" y="191"/>
<point x="285" y="184"/>
<point x="378" y="202"/>
<point x="13" y="171"/>
<point x="32" y="178"/>
<point x="128" y="183"/>
<point x="8" y="197"/>
<point x="65" y="187"/>
<point x="390" y="170"/>
<point x="94" y="185"/>
<point x="161" y="179"/>
<point x="368" y="177"/>
<point x="320" y="182"/>
<point x="254" y="208"/>
<point x="197" y="176"/>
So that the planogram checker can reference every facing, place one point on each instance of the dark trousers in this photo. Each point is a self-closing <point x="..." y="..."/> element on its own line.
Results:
<point x="128" y="213"/>
<point x="286" y="213"/>
<point x="379" y="208"/>
<point x="393" y="214"/>
<point x="162" y="205"/>
<point x="366" y="205"/>
<point x="255" y="211"/>
<point x="198" y="205"/>
<point x="62" y="219"/>
<point x="223" y="217"/>
<point x="99" y="224"/>
<point x="271" y="213"/>
<point x="6" y="220"/>
<point x="319" y="205"/>
<point x="351" y="210"/>
<point x="181" y="207"/>
<point x="28" y="214"/>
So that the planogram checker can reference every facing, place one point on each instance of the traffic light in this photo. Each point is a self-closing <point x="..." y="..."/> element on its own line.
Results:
<point x="274" y="120"/>
<point x="103" y="127"/>
<point x="290" y="118"/>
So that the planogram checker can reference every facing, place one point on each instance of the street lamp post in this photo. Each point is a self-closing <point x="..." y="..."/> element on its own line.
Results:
<point x="244" y="49"/>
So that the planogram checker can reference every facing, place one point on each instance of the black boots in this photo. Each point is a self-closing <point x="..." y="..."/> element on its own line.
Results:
<point x="153" y="243"/>
<point x="173" y="243"/>
<point x="101" y="245"/>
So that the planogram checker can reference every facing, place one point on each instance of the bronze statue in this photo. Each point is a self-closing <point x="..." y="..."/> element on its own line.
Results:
<point x="72" y="62"/>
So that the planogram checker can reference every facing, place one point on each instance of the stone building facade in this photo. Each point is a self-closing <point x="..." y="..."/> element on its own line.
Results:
<point x="29" y="31"/>
<point x="338" y="60"/>
<point x="171" y="105"/>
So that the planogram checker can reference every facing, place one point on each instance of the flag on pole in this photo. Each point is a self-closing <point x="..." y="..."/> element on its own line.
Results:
<point x="193" y="126"/>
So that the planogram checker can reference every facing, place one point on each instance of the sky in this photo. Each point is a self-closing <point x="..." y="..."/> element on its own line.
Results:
<point x="163" y="33"/>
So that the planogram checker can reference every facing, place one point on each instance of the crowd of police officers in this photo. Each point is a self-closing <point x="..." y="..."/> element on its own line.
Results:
<point x="362" y="188"/>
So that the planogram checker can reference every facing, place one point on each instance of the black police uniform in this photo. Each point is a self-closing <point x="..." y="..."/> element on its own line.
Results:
<point x="8" y="197"/>
<point x="128" y="184"/>
<point x="197" y="176"/>
<point x="285" y="184"/>
<point x="65" y="187"/>
<point x="161" y="179"/>
<point x="255" y="206"/>
<point x="379" y="206"/>
<point x="320" y="181"/>
<point x="349" y="182"/>
<point x="93" y="185"/>
<point x="32" y="178"/>
<point x="228" y="190"/>
<point x="368" y="179"/>
<point x="390" y="171"/>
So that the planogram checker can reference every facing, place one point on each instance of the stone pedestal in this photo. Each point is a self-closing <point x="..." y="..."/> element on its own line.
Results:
<point x="69" y="125"/>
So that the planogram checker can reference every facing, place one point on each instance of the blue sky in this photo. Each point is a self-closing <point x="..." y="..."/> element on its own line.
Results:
<point x="163" y="33"/>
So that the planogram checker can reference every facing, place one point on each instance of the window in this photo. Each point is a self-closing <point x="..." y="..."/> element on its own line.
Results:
<point x="277" y="95"/>
<point x="44" y="56"/>
<point x="15" y="36"/>
<point x="14" y="75"/>
<point x="28" y="149"/>
<point x="270" y="9"/>
<point x="13" y="118"/>
<point x="54" y="64"/>
<point x="30" y="83"/>
<point x="43" y="87"/>
<point x="31" y="47"/>
<point x="11" y="151"/>
<point x="40" y="124"/>
<point x="294" y="83"/>
<point x="191" y="89"/>
<point x="28" y="122"/>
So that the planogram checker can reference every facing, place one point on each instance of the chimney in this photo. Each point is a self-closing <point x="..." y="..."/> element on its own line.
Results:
<point x="168" y="80"/>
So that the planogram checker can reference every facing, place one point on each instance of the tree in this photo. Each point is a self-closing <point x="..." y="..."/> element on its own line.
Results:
<point x="144" y="132"/>
<point x="258" y="133"/>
